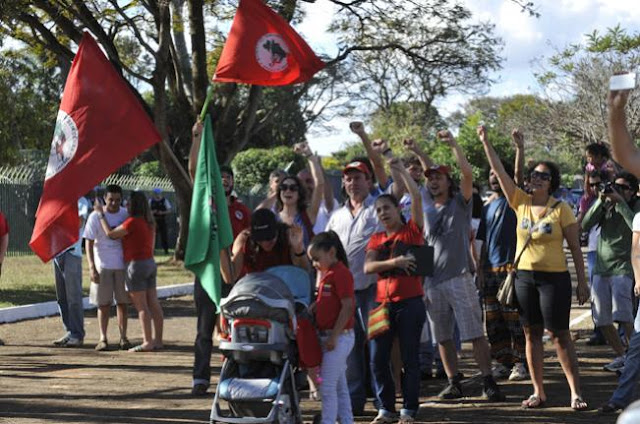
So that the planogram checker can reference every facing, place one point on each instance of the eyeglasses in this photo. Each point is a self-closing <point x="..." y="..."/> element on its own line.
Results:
<point x="622" y="187"/>
<point x="544" y="176"/>
<point x="594" y="184"/>
<point x="288" y="187"/>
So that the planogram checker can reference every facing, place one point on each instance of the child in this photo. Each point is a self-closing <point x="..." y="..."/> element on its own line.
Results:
<point x="334" y="313"/>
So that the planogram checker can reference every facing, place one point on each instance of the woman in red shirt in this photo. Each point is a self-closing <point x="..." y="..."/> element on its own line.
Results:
<point x="334" y="308"/>
<point x="403" y="295"/>
<point x="138" y="239"/>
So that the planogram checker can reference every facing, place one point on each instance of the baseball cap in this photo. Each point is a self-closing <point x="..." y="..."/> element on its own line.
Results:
<point x="358" y="166"/>
<point x="157" y="190"/>
<point x="443" y="169"/>
<point x="264" y="225"/>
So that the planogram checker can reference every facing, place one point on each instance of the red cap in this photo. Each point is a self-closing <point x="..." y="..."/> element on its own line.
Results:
<point x="358" y="166"/>
<point x="443" y="169"/>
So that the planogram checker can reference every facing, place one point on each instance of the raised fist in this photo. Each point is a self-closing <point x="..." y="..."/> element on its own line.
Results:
<point x="302" y="149"/>
<point x="446" y="136"/>
<point x="517" y="137"/>
<point x="380" y="145"/>
<point x="357" y="127"/>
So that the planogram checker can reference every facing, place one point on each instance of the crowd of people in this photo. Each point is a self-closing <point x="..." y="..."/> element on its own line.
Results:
<point x="356" y="252"/>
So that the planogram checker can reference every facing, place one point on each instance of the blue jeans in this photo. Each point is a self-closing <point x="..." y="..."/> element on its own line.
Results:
<point x="407" y="318"/>
<point x="68" y="277"/>
<point x="358" y="360"/>
<point x="625" y="392"/>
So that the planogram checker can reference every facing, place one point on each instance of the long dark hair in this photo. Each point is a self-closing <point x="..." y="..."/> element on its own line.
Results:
<point x="554" y="184"/>
<point x="394" y="201"/>
<point x="302" y="194"/>
<point x="327" y="240"/>
<point x="139" y="207"/>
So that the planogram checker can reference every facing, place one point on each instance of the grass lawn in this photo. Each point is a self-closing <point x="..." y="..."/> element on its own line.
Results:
<point x="26" y="280"/>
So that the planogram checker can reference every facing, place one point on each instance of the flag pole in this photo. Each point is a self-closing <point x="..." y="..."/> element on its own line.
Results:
<point x="205" y="107"/>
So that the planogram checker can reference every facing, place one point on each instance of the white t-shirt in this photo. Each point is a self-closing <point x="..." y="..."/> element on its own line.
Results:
<point x="636" y="223"/>
<point x="107" y="253"/>
<point x="322" y="219"/>
<point x="594" y="235"/>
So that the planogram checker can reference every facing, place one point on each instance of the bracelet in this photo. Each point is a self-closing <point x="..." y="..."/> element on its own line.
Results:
<point x="299" y="254"/>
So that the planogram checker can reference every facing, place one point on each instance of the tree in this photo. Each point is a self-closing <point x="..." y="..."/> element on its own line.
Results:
<point x="146" y="40"/>
<point x="414" y="51"/>
<point x="29" y="95"/>
<point x="576" y="80"/>
<point x="253" y="166"/>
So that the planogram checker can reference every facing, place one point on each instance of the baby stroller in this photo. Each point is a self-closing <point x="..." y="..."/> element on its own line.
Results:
<point x="258" y="377"/>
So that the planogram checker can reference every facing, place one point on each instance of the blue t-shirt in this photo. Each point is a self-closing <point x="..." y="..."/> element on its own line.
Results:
<point x="498" y="231"/>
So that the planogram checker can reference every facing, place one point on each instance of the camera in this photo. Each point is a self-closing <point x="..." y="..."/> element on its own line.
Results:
<point x="606" y="187"/>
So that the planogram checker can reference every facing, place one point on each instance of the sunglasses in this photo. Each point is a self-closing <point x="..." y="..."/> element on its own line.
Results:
<point x="288" y="187"/>
<point x="594" y="184"/>
<point x="622" y="187"/>
<point x="544" y="176"/>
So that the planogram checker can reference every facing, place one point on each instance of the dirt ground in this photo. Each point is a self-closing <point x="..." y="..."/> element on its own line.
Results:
<point x="43" y="384"/>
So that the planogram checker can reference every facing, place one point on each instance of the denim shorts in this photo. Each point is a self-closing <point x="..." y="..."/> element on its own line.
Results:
<point x="141" y="275"/>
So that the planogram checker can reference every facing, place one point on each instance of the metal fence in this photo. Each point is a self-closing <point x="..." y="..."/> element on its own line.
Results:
<point x="21" y="188"/>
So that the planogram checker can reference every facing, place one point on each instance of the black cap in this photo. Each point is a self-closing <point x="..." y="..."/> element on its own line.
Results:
<point x="226" y="169"/>
<point x="264" y="225"/>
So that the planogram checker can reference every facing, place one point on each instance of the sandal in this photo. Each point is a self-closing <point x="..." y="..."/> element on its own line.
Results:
<point x="533" y="401"/>
<point x="102" y="345"/>
<point x="140" y="348"/>
<point x="578" y="404"/>
<point x="125" y="344"/>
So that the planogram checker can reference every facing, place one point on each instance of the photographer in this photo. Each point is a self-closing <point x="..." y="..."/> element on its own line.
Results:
<point x="612" y="280"/>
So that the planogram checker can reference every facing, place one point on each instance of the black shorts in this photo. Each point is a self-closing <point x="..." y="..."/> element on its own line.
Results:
<point x="544" y="298"/>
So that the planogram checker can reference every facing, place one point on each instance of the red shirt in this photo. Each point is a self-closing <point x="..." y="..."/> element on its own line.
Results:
<point x="4" y="227"/>
<point x="138" y="243"/>
<point x="240" y="216"/>
<point x="336" y="285"/>
<point x="260" y="260"/>
<point x="400" y="286"/>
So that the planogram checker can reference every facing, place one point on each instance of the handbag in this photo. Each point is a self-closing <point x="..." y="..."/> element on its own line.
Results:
<point x="507" y="291"/>
<point x="379" y="322"/>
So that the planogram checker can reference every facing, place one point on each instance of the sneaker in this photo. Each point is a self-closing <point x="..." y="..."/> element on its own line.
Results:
<point x="62" y="340"/>
<point x="199" y="389"/>
<point x="500" y="372"/>
<point x="518" y="372"/>
<point x="615" y="365"/>
<point x="452" y="391"/>
<point x="102" y="345"/>
<point x="595" y="340"/>
<point x="406" y="419"/>
<point x="73" y="342"/>
<point x="491" y="391"/>
<point x="384" y="417"/>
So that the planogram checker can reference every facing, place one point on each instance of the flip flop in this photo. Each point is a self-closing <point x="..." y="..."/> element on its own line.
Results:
<point x="533" y="401"/>
<point x="578" y="404"/>
<point x="139" y="348"/>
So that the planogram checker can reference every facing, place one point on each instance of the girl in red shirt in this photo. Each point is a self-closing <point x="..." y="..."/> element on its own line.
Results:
<point x="403" y="295"/>
<point x="138" y="239"/>
<point x="334" y="309"/>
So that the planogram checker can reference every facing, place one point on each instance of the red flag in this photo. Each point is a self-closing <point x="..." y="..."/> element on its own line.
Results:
<point x="101" y="125"/>
<point x="263" y="49"/>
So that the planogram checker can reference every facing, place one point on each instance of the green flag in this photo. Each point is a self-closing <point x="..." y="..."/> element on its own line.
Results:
<point x="209" y="224"/>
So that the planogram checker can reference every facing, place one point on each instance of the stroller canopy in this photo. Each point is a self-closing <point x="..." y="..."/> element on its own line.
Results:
<point x="259" y="295"/>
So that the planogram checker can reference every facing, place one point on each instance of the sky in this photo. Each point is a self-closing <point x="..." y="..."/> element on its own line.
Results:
<point x="526" y="39"/>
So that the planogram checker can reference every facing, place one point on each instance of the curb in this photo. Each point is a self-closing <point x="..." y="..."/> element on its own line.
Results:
<point x="45" y="309"/>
